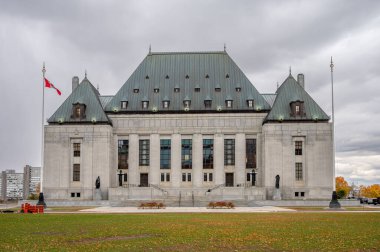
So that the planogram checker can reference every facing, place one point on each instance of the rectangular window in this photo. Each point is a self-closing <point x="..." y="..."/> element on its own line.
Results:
<point x="124" y="104"/>
<point x="299" y="173"/>
<point x="208" y="153"/>
<point x="144" y="152"/>
<point x="183" y="177"/>
<point x="125" y="177"/>
<point x="186" y="153"/>
<point x="162" y="177"/>
<point x="229" y="104"/>
<point x="250" y="103"/>
<point x="298" y="150"/>
<point x="250" y="153"/>
<point x="165" y="153"/>
<point x="72" y="195"/>
<point x="145" y="104"/>
<point x="248" y="177"/>
<point x="296" y="194"/>
<point x="123" y="149"/>
<point x="210" y="178"/>
<point x="78" y="194"/>
<point x="165" y="104"/>
<point x="207" y="103"/>
<point x="229" y="151"/>
<point x="186" y="103"/>
<point x="302" y="194"/>
<point x="205" y="177"/>
<point x="76" y="147"/>
<point x="188" y="177"/>
<point x="167" y="177"/>
<point x="76" y="172"/>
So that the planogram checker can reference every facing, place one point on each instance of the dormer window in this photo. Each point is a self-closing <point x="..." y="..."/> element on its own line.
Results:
<point x="186" y="103"/>
<point x="136" y="90"/>
<point x="176" y="90"/>
<point x="167" y="77"/>
<point x="156" y="90"/>
<point x="79" y="111"/>
<point x="217" y="89"/>
<point x="197" y="89"/>
<point x="145" y="104"/>
<point x="165" y="104"/>
<point x="207" y="76"/>
<point x="147" y="77"/>
<point x="187" y="77"/>
<point x="227" y="76"/>
<point x="124" y="104"/>
<point x="238" y="89"/>
<point x="229" y="103"/>
<point x="250" y="103"/>
<point x="207" y="103"/>
<point x="297" y="108"/>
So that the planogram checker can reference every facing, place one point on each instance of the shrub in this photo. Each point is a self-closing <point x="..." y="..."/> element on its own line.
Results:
<point x="221" y="204"/>
<point x="152" y="205"/>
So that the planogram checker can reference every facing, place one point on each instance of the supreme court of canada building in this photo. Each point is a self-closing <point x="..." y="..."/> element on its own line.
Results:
<point x="189" y="124"/>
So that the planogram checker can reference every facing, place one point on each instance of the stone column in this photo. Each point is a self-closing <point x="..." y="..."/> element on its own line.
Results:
<point x="240" y="158"/>
<point x="176" y="160"/>
<point x="197" y="160"/>
<point x="133" y="162"/>
<point x="154" y="162"/>
<point x="219" y="159"/>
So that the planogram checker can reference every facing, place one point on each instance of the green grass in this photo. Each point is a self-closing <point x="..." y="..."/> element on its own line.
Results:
<point x="191" y="232"/>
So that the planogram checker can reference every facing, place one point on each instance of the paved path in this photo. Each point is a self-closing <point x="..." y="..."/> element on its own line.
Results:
<point x="264" y="209"/>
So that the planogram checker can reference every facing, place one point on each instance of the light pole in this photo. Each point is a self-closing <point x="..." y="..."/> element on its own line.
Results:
<point x="334" y="199"/>
<point x="253" y="173"/>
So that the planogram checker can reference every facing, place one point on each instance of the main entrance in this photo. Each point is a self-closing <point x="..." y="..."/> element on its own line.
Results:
<point x="229" y="179"/>
<point x="144" y="180"/>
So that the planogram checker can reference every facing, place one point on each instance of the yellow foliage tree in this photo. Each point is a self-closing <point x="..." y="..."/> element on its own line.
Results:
<point x="372" y="191"/>
<point x="342" y="188"/>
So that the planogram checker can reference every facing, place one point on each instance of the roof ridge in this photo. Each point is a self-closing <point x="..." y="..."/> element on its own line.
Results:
<point x="195" y="52"/>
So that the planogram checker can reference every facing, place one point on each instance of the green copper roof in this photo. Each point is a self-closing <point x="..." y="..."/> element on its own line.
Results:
<point x="86" y="94"/>
<point x="291" y="91"/>
<point x="197" y="77"/>
<point x="270" y="98"/>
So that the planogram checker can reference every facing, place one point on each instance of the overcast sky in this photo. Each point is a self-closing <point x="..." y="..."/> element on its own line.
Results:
<point x="110" y="38"/>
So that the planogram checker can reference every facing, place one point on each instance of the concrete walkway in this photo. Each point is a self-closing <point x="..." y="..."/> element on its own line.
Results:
<point x="264" y="209"/>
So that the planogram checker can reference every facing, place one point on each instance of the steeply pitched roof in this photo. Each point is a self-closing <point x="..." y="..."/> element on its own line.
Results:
<point x="86" y="94"/>
<point x="186" y="72"/>
<point x="270" y="98"/>
<point x="291" y="91"/>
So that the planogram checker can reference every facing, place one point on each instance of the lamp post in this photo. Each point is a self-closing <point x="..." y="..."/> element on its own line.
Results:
<point x="334" y="199"/>
<point x="120" y="178"/>
<point x="253" y="173"/>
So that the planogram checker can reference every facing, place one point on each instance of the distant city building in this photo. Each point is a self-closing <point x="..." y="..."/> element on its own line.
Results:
<point x="14" y="184"/>
<point x="32" y="179"/>
<point x="1" y="187"/>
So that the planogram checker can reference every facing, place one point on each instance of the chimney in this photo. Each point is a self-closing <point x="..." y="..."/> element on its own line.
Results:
<point x="301" y="80"/>
<point x="75" y="82"/>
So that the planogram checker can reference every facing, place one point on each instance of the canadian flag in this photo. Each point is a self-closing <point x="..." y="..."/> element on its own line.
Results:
<point x="48" y="84"/>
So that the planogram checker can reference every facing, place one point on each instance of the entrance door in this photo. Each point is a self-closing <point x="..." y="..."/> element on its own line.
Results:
<point x="144" y="180"/>
<point x="229" y="179"/>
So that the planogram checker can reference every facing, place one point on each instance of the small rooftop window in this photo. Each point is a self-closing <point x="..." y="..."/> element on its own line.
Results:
<point x="207" y="76"/>
<point x="167" y="77"/>
<point x="79" y="111"/>
<point x="165" y="104"/>
<point x="229" y="103"/>
<point x="145" y="104"/>
<point x="238" y="89"/>
<point x="147" y="77"/>
<point x="207" y="103"/>
<point x="186" y="103"/>
<point x="124" y="104"/>
<point x="217" y="89"/>
<point x="227" y="76"/>
<point x="297" y="108"/>
<point x="197" y="89"/>
<point x="176" y="90"/>
<point x="187" y="77"/>
<point x="250" y="103"/>
<point x="135" y="90"/>
<point x="156" y="90"/>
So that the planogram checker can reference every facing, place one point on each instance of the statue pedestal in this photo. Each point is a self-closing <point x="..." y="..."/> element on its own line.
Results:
<point x="277" y="194"/>
<point x="98" y="194"/>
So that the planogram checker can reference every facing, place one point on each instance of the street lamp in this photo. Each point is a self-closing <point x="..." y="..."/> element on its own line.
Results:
<point x="253" y="173"/>
<point x="120" y="178"/>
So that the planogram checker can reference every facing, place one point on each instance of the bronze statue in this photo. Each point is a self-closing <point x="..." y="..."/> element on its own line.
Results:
<point x="97" y="183"/>
<point x="277" y="181"/>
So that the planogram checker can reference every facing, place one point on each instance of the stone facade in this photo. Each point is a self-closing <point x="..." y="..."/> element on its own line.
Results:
<point x="120" y="138"/>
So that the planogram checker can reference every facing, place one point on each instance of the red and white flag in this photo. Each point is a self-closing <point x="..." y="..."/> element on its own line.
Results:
<point x="48" y="84"/>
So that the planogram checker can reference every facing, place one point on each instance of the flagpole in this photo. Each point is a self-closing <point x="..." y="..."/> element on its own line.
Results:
<point x="334" y="199"/>
<point x="41" y="200"/>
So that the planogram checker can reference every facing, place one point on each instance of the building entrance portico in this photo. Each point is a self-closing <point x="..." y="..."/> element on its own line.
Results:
<point x="144" y="182"/>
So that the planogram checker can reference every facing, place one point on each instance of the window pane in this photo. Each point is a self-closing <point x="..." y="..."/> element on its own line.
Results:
<point x="123" y="148"/>
<point x="299" y="172"/>
<point x="250" y="153"/>
<point x="298" y="149"/>
<point x="76" y="147"/>
<point x="76" y="172"/>
<point x="186" y="153"/>
<point x="165" y="153"/>
<point x="208" y="153"/>
<point x="144" y="152"/>
<point x="229" y="151"/>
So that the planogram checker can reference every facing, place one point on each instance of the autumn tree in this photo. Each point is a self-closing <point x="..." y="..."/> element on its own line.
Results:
<point x="371" y="191"/>
<point x="342" y="188"/>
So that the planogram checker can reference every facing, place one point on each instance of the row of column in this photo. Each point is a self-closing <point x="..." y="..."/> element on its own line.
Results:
<point x="197" y="170"/>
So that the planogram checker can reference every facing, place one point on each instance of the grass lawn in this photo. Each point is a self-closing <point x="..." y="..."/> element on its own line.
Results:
<point x="191" y="232"/>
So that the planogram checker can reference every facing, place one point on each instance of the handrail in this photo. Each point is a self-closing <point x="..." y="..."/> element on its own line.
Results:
<point x="214" y="188"/>
<point x="158" y="188"/>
